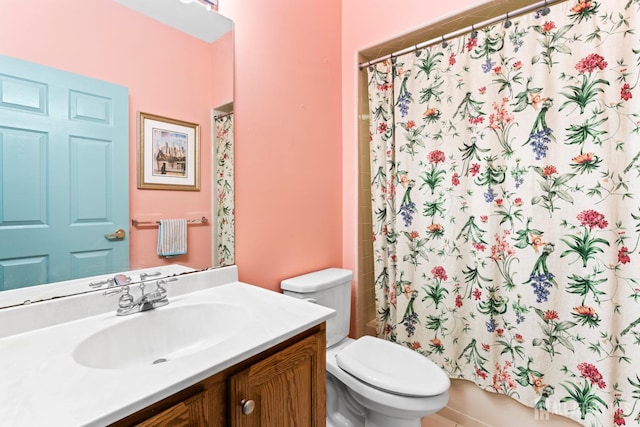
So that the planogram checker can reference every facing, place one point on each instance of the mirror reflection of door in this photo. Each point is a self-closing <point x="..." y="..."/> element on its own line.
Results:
<point x="62" y="138"/>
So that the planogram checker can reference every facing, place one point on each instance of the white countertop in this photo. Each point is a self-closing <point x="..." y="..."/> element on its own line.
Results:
<point x="42" y="385"/>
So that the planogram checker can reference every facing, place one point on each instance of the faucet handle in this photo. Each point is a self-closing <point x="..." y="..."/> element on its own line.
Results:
<point x="160" y="282"/>
<point x="98" y="283"/>
<point x="145" y="276"/>
<point x="126" y="299"/>
<point x="117" y="280"/>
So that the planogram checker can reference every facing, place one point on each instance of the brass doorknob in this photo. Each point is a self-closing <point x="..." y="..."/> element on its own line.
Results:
<point x="248" y="406"/>
<point x="118" y="235"/>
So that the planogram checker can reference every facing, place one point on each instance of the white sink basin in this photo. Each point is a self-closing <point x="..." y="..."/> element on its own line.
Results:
<point x="161" y="335"/>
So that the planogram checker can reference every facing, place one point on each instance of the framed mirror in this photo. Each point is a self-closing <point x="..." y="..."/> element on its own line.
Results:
<point x="174" y="58"/>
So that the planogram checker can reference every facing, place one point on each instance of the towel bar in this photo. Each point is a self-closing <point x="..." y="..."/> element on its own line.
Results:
<point x="136" y="223"/>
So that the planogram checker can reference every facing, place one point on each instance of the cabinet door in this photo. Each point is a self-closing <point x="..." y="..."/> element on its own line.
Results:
<point x="188" y="413"/>
<point x="286" y="389"/>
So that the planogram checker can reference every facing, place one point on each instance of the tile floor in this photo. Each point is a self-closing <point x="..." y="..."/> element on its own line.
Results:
<point x="436" y="420"/>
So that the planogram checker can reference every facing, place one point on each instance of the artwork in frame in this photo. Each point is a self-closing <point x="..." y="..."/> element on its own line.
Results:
<point x="168" y="153"/>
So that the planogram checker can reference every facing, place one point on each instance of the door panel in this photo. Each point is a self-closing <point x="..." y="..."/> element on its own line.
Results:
<point x="23" y="161"/>
<point x="90" y="199"/>
<point x="64" y="150"/>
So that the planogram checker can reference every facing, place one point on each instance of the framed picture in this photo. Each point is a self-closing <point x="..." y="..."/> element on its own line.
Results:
<point x="168" y="153"/>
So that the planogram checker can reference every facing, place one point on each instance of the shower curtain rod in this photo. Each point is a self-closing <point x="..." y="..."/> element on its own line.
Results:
<point x="473" y="27"/>
<point x="219" y="116"/>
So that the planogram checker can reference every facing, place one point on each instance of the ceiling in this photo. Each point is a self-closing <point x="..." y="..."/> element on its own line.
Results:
<point x="190" y="18"/>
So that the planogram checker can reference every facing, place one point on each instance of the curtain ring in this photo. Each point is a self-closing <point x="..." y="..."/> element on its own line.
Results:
<point x="507" y="22"/>
<point x="444" y="42"/>
<point x="417" y="51"/>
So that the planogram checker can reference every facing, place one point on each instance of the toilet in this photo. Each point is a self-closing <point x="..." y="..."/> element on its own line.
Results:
<point x="371" y="382"/>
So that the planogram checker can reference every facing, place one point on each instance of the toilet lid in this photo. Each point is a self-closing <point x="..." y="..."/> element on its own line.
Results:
<point x="393" y="368"/>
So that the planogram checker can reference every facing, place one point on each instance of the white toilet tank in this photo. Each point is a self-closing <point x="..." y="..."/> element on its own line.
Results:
<point x="329" y="288"/>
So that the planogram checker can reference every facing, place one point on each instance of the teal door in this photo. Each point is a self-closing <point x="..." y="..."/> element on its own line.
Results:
<point x="64" y="183"/>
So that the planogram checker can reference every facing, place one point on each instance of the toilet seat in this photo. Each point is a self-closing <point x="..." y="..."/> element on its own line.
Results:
<point x="392" y="368"/>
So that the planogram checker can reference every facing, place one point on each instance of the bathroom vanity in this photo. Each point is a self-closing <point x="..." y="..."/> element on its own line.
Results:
<point x="222" y="353"/>
<point x="283" y="386"/>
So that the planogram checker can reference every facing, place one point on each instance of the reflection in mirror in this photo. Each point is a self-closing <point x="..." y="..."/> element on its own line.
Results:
<point x="223" y="202"/>
<point x="153" y="66"/>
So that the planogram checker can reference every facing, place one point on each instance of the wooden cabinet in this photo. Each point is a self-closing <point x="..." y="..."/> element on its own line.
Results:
<point x="283" y="386"/>
<point x="188" y="413"/>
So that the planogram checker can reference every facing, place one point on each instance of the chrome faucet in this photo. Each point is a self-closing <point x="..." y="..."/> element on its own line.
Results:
<point x="147" y="301"/>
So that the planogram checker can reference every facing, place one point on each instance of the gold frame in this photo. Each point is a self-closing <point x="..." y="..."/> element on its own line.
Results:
<point x="178" y="132"/>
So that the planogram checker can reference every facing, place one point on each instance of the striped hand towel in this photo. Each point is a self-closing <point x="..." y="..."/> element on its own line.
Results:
<point x="172" y="237"/>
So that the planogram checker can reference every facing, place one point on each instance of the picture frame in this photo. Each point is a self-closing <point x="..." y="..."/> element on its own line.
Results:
<point x="168" y="153"/>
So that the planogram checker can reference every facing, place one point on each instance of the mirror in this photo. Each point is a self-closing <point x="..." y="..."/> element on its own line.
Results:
<point x="142" y="45"/>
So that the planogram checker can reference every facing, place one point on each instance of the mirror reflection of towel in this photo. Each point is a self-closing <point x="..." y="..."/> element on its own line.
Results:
<point x="172" y="237"/>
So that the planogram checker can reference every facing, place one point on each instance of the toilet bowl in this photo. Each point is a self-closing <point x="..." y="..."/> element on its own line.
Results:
<point x="383" y="403"/>
<point x="370" y="382"/>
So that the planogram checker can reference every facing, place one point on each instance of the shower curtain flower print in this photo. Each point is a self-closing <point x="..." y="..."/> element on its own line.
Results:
<point x="505" y="188"/>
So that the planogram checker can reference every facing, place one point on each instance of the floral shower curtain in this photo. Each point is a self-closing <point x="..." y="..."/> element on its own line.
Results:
<point x="225" y="235"/>
<point x="506" y="205"/>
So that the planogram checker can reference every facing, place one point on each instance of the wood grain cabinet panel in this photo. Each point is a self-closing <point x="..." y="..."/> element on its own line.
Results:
<point x="188" y="413"/>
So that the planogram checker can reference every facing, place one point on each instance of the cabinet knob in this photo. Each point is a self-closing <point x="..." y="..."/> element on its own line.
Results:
<point x="248" y="406"/>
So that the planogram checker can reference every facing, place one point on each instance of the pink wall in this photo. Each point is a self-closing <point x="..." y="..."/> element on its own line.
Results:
<point x="105" y="40"/>
<point x="288" y="137"/>
<point x="222" y="72"/>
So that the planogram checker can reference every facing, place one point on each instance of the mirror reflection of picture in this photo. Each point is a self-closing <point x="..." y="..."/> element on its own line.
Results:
<point x="170" y="153"/>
